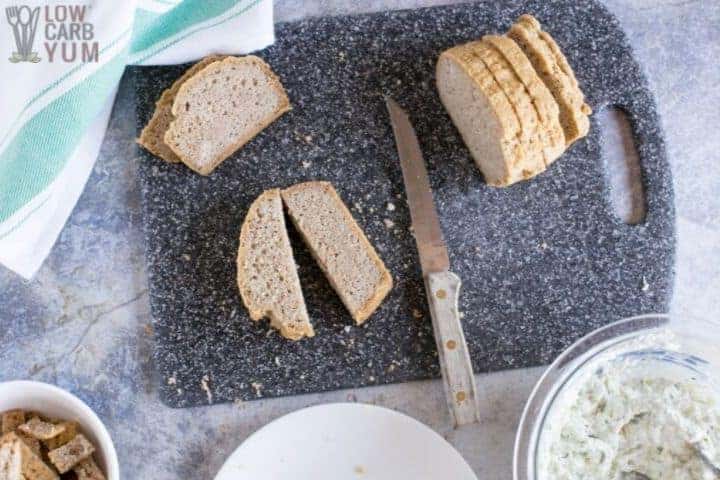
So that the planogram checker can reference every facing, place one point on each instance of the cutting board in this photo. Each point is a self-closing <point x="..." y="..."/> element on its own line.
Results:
<point x="542" y="262"/>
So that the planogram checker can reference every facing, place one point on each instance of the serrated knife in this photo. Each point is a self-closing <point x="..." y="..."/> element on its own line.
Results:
<point x="441" y="285"/>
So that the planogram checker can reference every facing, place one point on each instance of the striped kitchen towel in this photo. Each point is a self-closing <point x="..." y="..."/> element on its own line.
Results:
<point x="62" y="62"/>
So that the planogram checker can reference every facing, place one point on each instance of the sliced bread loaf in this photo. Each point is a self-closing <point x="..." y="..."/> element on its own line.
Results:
<point x="221" y="108"/>
<point x="153" y="135"/>
<point x="340" y="247"/>
<point x="553" y="68"/>
<point x="266" y="271"/>
<point x="546" y="107"/>
<point x="520" y="100"/>
<point x="483" y="115"/>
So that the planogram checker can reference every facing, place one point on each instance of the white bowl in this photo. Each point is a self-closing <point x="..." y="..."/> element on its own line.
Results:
<point x="57" y="403"/>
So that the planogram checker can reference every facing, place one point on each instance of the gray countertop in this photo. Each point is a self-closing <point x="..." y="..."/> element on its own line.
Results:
<point x="84" y="323"/>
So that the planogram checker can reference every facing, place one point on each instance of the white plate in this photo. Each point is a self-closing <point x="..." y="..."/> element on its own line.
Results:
<point x="345" y="441"/>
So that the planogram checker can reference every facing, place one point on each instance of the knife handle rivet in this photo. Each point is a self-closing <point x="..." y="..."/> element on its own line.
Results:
<point x="441" y="294"/>
<point x="451" y="344"/>
<point x="460" y="396"/>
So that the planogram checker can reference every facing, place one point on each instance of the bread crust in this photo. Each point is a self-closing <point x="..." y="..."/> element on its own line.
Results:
<point x="152" y="136"/>
<point x="545" y="104"/>
<point x="514" y="152"/>
<point x="552" y="69"/>
<point x="521" y="102"/>
<point x="384" y="285"/>
<point x="184" y="90"/>
<point x="289" y="330"/>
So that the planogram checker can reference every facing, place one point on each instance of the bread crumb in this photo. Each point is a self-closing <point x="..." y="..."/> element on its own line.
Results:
<point x="306" y="164"/>
<point x="257" y="386"/>
<point x="172" y="380"/>
<point x="645" y="286"/>
<point x="416" y="313"/>
<point x="389" y="223"/>
<point x="391" y="207"/>
<point x="308" y="138"/>
<point x="186" y="257"/>
<point x="205" y="386"/>
<point x="347" y="328"/>
<point x="544" y="246"/>
<point x="277" y="361"/>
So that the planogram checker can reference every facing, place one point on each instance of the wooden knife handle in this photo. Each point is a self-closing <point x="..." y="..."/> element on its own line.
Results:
<point x="443" y="290"/>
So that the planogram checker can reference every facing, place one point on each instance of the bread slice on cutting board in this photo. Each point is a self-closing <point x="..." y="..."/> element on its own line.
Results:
<point x="484" y="116"/>
<point x="340" y="247"/>
<point x="152" y="136"/>
<point x="222" y="107"/>
<point x="517" y="95"/>
<point x="555" y="71"/>
<point x="515" y="101"/>
<point x="266" y="272"/>
<point x="551" y="132"/>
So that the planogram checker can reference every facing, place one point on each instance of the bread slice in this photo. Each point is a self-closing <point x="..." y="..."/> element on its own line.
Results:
<point x="152" y="136"/>
<point x="267" y="275"/>
<point x="72" y="453"/>
<point x="483" y="115"/>
<point x="19" y="462"/>
<point x="546" y="107"/>
<point x="520" y="100"/>
<point x="40" y="429"/>
<point x="221" y="108"/>
<point x="340" y="247"/>
<point x="70" y="429"/>
<point x="11" y="420"/>
<point x="88" y="470"/>
<point x="553" y="68"/>
<point x="10" y="462"/>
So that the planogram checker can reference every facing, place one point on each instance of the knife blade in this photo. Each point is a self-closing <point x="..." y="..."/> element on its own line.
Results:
<point x="442" y="287"/>
<point x="426" y="225"/>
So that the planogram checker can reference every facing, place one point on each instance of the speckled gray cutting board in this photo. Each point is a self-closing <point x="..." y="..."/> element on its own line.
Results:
<point x="542" y="262"/>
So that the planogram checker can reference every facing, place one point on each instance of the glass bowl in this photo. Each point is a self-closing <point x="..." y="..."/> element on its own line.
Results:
<point x="685" y="349"/>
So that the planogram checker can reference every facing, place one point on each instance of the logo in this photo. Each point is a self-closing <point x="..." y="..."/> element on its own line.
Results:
<point x="66" y="35"/>
<point x="23" y="22"/>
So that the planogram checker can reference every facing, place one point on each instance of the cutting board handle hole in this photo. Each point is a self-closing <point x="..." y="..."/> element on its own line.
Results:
<point x="622" y="165"/>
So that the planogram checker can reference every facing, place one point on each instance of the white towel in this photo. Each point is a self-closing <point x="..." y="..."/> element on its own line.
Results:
<point x="61" y="65"/>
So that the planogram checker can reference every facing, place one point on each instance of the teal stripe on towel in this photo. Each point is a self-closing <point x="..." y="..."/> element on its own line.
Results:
<point x="140" y="57"/>
<point x="174" y="21"/>
<point x="44" y="144"/>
